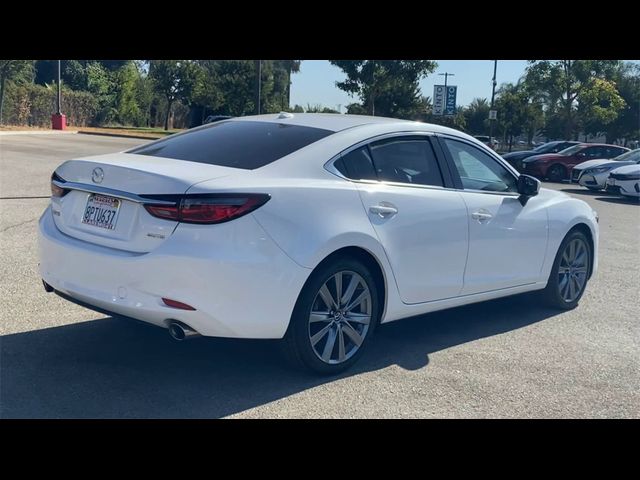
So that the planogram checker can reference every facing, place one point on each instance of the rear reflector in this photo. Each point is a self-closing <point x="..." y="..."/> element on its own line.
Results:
<point x="175" y="304"/>
<point x="209" y="209"/>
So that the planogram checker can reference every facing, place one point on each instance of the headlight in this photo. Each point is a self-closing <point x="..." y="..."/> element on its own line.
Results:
<point x="598" y="170"/>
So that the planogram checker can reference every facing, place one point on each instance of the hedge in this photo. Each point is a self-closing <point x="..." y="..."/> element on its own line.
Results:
<point x="33" y="105"/>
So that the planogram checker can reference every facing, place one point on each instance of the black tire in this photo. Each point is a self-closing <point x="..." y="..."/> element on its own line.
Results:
<point x="556" y="173"/>
<point x="297" y="343"/>
<point x="551" y="295"/>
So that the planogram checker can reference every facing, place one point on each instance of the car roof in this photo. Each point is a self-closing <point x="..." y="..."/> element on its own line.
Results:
<point x="328" y="121"/>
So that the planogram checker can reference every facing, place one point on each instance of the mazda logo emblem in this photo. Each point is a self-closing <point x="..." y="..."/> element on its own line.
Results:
<point x="97" y="175"/>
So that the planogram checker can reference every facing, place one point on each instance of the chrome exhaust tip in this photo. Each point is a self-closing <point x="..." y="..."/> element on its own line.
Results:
<point x="180" y="331"/>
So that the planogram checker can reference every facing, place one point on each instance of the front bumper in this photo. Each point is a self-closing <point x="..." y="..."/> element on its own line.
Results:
<point x="535" y="169"/>
<point x="594" y="181"/>
<point x="240" y="282"/>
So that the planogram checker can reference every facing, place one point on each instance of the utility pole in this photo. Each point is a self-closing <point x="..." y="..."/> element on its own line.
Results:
<point x="259" y="85"/>
<point x="446" y="76"/>
<point x="493" y="96"/>
<point x="58" y="101"/>
<point x="339" y="108"/>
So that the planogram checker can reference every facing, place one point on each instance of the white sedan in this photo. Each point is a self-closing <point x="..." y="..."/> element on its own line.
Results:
<point x="311" y="228"/>
<point x="593" y="174"/>
<point x="625" y="181"/>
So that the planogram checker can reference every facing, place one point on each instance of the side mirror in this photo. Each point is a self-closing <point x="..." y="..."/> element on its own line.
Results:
<point x="527" y="187"/>
<point x="581" y="155"/>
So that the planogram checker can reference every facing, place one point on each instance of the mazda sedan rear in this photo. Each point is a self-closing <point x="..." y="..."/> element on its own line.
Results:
<point x="310" y="228"/>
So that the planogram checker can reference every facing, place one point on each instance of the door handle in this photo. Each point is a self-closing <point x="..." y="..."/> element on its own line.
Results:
<point x="481" y="216"/>
<point x="383" y="210"/>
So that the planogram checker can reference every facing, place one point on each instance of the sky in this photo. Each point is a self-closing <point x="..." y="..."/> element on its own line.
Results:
<point x="315" y="83"/>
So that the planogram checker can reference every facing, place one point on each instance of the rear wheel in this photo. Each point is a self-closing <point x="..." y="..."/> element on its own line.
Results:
<point x="334" y="317"/>
<point x="570" y="272"/>
<point x="556" y="173"/>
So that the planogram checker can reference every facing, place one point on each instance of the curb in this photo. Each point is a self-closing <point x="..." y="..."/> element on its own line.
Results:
<point x="37" y="132"/>
<point x="119" y="135"/>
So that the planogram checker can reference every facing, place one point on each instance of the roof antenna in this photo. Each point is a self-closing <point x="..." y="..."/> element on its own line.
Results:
<point x="285" y="115"/>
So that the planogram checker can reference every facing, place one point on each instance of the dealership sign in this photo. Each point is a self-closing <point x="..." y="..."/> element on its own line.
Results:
<point x="438" y="99"/>
<point x="450" y="100"/>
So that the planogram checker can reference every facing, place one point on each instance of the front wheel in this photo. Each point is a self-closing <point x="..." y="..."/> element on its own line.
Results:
<point x="334" y="317"/>
<point x="570" y="272"/>
<point x="556" y="173"/>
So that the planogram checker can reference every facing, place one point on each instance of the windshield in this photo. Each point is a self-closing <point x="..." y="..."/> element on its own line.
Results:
<point x="546" y="147"/>
<point x="571" y="150"/>
<point x="632" y="156"/>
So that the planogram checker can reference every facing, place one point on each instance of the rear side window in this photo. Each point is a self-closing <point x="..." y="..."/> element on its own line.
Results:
<point x="357" y="165"/>
<point x="237" y="144"/>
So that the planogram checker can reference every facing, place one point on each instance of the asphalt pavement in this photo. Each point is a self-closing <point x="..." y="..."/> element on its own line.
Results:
<point x="508" y="358"/>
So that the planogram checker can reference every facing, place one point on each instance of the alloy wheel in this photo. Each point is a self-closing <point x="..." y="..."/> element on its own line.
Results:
<point x="340" y="317"/>
<point x="573" y="270"/>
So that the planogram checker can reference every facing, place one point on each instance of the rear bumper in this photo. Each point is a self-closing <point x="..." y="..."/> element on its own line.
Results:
<point x="239" y="281"/>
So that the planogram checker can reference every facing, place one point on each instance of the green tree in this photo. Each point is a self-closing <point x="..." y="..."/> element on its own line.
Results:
<point x="128" y="111"/>
<point x="563" y="84"/>
<point x="386" y="87"/>
<point x="319" y="109"/>
<point x="627" y="125"/>
<point x="175" y="80"/>
<point x="101" y="83"/>
<point x="236" y="81"/>
<point x="17" y="71"/>
<point x="477" y="116"/>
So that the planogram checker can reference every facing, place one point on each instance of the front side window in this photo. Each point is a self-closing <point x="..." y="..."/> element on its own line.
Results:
<point x="594" y="152"/>
<point x="406" y="160"/>
<point x="478" y="170"/>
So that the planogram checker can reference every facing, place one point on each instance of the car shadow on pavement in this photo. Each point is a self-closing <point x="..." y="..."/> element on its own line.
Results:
<point x="582" y="191"/>
<point x="117" y="368"/>
<point x="620" y="200"/>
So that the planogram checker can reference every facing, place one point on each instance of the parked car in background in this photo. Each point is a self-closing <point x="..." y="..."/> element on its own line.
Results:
<point x="624" y="181"/>
<point x="215" y="118"/>
<point x="593" y="174"/>
<point x="556" y="166"/>
<point x="488" y="141"/>
<point x="515" y="158"/>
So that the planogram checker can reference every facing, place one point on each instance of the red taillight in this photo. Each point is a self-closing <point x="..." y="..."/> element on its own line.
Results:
<point x="57" y="191"/>
<point x="176" y="304"/>
<point x="209" y="209"/>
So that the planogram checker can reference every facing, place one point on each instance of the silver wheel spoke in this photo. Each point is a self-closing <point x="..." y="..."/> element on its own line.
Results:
<point x="328" y="347"/>
<point x="341" y="354"/>
<point x="351" y="288"/>
<point x="327" y="298"/>
<point x="338" y="278"/>
<point x="319" y="317"/>
<point x="318" y="336"/>
<point x="364" y="295"/>
<point x="572" y="290"/>
<point x="358" y="318"/>
<point x="352" y="334"/>
<point x="564" y="285"/>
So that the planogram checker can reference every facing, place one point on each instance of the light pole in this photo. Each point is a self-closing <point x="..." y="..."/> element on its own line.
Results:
<point x="493" y="96"/>
<point x="259" y="84"/>
<point x="58" y="102"/>
<point x="446" y="76"/>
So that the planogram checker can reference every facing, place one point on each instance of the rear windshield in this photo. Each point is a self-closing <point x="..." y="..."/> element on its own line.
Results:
<point x="237" y="144"/>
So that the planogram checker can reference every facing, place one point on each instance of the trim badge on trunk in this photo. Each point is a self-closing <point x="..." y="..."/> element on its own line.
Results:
<point x="97" y="175"/>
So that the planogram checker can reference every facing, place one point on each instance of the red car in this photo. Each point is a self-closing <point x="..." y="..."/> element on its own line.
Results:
<point x="557" y="166"/>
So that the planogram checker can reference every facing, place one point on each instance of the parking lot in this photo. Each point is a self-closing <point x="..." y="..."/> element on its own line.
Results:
<point x="505" y="358"/>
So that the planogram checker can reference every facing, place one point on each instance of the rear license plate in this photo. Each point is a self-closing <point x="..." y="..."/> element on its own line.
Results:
<point x="101" y="211"/>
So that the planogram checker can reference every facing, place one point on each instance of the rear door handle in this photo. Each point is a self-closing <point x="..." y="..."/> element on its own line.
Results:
<point x="383" y="210"/>
<point x="481" y="216"/>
